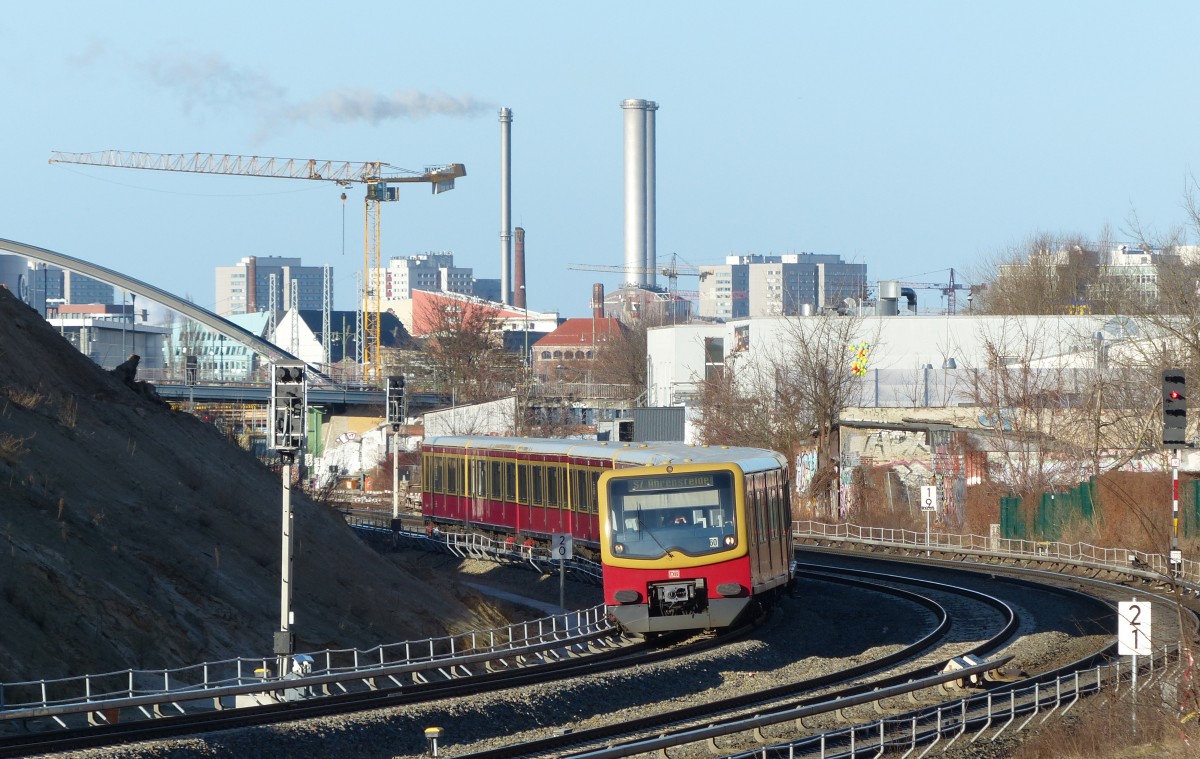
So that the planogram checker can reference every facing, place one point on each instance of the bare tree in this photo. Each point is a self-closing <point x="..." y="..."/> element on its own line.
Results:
<point x="464" y="348"/>
<point x="621" y="361"/>
<point x="1047" y="274"/>
<point x="789" y="396"/>
<point x="1024" y="403"/>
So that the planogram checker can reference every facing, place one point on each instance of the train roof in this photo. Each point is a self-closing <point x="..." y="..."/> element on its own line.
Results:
<point x="637" y="454"/>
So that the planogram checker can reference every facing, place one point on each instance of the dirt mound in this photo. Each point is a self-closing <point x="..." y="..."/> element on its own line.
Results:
<point x="136" y="536"/>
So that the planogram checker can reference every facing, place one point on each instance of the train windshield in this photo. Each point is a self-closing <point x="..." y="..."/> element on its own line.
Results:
<point x="658" y="515"/>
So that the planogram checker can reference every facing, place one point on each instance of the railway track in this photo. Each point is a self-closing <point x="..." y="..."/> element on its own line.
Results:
<point x="949" y="634"/>
<point x="586" y="656"/>
<point x="959" y="617"/>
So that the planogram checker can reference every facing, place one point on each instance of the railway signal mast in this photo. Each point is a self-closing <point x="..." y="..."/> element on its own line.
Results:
<point x="1174" y="405"/>
<point x="376" y="175"/>
<point x="289" y="401"/>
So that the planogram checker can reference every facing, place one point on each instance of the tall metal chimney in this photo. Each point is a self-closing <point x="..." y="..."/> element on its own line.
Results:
<point x="635" y="191"/>
<point x="598" y="300"/>
<point x="651" y="257"/>
<point x="506" y="292"/>
<point x="519" y="299"/>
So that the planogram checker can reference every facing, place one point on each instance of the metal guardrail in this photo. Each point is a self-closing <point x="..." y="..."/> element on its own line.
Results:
<point x="1148" y="565"/>
<point x="207" y="680"/>
<point x="996" y="709"/>
<point x="473" y="545"/>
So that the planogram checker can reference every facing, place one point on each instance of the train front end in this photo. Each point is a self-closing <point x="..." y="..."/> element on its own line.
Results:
<point x="674" y="549"/>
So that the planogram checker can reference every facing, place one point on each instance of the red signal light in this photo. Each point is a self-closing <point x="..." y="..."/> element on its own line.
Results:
<point x="1175" y="395"/>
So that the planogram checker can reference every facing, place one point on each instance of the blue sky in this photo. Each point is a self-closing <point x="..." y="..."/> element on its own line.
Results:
<point x="913" y="137"/>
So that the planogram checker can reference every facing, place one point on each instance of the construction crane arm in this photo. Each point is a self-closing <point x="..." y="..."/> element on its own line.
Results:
<point x="342" y="172"/>
<point x="670" y="270"/>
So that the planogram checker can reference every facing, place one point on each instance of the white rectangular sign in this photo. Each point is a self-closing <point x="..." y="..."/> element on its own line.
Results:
<point x="562" y="545"/>
<point x="1133" y="628"/>
<point x="929" y="498"/>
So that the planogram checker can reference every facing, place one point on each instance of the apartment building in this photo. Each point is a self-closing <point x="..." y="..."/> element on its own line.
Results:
<point x="245" y="287"/>
<point x="784" y="285"/>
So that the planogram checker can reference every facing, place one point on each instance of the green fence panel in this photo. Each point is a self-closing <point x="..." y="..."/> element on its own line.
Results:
<point x="1012" y="520"/>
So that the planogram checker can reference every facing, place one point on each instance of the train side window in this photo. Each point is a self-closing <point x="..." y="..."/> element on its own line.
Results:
<point x="480" y="474"/>
<point x="438" y="472"/>
<point x="552" y="486"/>
<point x="523" y="484"/>
<point x="579" y="488"/>
<point x="772" y="495"/>
<point x="452" y="466"/>
<point x="759" y="508"/>
<point x="427" y="472"/>
<point x="510" y="481"/>
<point x="538" y="473"/>
<point x="594" y="490"/>
<point x="497" y="480"/>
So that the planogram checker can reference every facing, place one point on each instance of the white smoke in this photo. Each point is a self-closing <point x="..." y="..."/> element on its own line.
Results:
<point x="208" y="83"/>
<point x="211" y="85"/>
<point x="350" y="105"/>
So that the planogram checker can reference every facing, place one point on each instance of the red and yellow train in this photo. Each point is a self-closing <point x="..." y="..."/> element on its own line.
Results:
<point x="690" y="537"/>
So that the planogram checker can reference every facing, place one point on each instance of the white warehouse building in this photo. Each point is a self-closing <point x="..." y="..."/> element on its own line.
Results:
<point x="913" y="360"/>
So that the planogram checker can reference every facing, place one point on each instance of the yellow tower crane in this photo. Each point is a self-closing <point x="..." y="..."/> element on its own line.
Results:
<point x="376" y="175"/>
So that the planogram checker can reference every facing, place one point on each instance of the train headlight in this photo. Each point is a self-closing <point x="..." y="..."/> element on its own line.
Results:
<point x="729" y="589"/>
<point x="618" y="548"/>
<point x="627" y="596"/>
<point x="730" y="540"/>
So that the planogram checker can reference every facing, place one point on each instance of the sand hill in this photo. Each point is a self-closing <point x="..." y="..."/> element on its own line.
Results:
<point x="136" y="536"/>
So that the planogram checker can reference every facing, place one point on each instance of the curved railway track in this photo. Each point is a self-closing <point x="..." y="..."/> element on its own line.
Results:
<point x="961" y="615"/>
<point x="943" y="621"/>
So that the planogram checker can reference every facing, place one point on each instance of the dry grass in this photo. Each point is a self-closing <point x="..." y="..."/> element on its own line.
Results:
<point x="13" y="448"/>
<point x="1103" y="727"/>
<point x="26" y="398"/>
<point x="68" y="413"/>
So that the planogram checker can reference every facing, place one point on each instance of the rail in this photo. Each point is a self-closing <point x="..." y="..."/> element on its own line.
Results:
<point x="1152" y="566"/>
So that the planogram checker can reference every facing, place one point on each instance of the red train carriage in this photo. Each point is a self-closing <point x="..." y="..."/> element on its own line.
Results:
<point x="524" y="487"/>
<point x="692" y="536"/>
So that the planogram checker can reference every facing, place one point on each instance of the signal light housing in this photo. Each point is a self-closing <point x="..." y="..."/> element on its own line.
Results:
<point x="289" y="398"/>
<point x="1174" y="390"/>
<point x="396" y="401"/>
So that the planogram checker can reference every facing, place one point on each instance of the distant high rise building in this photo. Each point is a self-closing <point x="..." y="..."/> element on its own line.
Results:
<point x="245" y="287"/>
<point x="430" y="272"/>
<point x="51" y="283"/>
<point x="756" y="285"/>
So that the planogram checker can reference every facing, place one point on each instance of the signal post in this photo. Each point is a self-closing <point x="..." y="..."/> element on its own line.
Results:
<point x="396" y="416"/>
<point x="1174" y="400"/>
<point x="289" y="400"/>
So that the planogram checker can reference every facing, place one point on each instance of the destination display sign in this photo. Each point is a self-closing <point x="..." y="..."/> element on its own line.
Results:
<point x="671" y="482"/>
